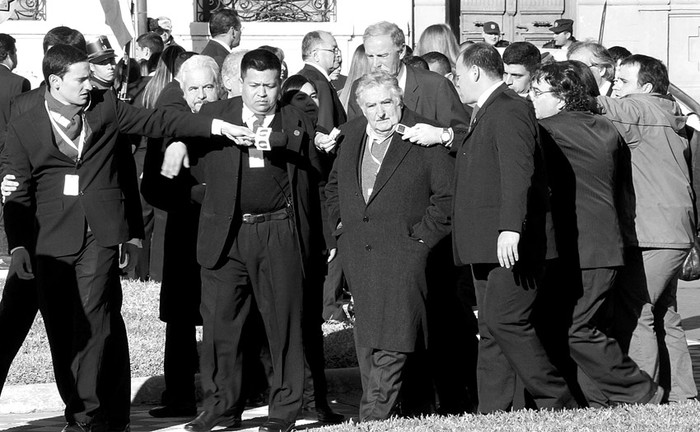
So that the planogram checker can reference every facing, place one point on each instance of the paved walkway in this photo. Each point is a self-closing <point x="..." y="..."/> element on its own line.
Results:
<point x="142" y="422"/>
<point x="342" y="386"/>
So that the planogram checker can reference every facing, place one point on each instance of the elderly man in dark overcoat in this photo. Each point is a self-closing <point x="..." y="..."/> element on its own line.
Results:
<point x="390" y="202"/>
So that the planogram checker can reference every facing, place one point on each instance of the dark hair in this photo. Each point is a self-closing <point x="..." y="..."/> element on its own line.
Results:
<point x="222" y="20"/>
<point x="292" y="85"/>
<point x="485" y="57"/>
<point x="59" y="58"/>
<point x="567" y="85"/>
<point x="7" y="46"/>
<point x="260" y="60"/>
<point x="651" y="71"/>
<point x="274" y="50"/>
<point x="587" y="77"/>
<point x="619" y="53"/>
<point x="64" y="36"/>
<point x="416" y="62"/>
<point x="443" y="63"/>
<point x="522" y="53"/>
<point x="152" y="41"/>
<point x="165" y="72"/>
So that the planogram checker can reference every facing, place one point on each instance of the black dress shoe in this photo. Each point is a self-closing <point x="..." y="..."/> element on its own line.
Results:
<point x="323" y="415"/>
<point x="276" y="425"/>
<point x="205" y="421"/>
<point x="327" y="415"/>
<point x="173" y="411"/>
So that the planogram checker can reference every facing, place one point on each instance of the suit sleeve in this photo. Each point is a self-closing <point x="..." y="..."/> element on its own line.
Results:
<point x="450" y="110"/>
<point x="515" y="131"/>
<point x="332" y="202"/>
<point x="19" y="210"/>
<point x="437" y="221"/>
<point x="354" y="110"/>
<point x="325" y="103"/>
<point x="160" y="123"/>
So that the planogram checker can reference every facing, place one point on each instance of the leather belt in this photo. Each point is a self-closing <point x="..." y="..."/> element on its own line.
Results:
<point x="263" y="217"/>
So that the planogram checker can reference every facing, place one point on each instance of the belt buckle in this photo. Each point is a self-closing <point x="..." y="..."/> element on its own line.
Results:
<point x="247" y="218"/>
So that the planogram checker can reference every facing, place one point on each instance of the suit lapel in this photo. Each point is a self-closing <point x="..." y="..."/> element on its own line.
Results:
<point x="233" y="113"/>
<point x="411" y="94"/>
<point x="394" y="155"/>
<point x="500" y="89"/>
<point x="93" y="117"/>
<point x="356" y="135"/>
<point x="44" y="131"/>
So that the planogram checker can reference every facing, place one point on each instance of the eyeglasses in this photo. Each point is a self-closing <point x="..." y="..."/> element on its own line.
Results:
<point x="537" y="92"/>
<point x="335" y="51"/>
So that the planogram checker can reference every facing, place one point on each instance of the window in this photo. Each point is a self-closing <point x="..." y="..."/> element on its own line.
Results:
<point x="33" y="10"/>
<point x="271" y="10"/>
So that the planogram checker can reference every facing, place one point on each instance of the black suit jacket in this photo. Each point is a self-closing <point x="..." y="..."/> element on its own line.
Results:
<point x="216" y="51"/>
<point x="127" y="167"/>
<point x="41" y="169"/>
<point x="500" y="183"/>
<point x="383" y="261"/>
<point x="159" y="191"/>
<point x="431" y="96"/>
<point x="582" y="152"/>
<point x="220" y="217"/>
<point x="330" y="111"/>
<point x="11" y="85"/>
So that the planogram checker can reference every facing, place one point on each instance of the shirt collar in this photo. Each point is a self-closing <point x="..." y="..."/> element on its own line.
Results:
<point x="401" y="77"/>
<point x="485" y="95"/>
<point x="320" y="69"/>
<point x="222" y="44"/>
<point x="248" y="117"/>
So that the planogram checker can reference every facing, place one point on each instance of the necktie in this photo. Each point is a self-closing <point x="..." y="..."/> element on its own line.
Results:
<point x="259" y="121"/>
<point x="474" y="112"/>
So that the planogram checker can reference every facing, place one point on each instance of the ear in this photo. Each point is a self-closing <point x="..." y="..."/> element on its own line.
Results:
<point x="648" y="88"/>
<point x="561" y="104"/>
<point x="55" y="81"/>
<point x="475" y="73"/>
<point x="402" y="53"/>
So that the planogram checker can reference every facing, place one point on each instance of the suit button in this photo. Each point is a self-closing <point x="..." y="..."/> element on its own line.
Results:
<point x="365" y="219"/>
<point x="230" y="218"/>
<point x="81" y="193"/>
<point x="368" y="248"/>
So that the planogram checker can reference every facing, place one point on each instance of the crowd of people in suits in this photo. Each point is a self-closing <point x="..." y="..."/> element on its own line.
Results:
<point x="510" y="227"/>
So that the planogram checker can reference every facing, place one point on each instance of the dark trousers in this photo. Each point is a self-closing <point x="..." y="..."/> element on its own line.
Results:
<point x="508" y="345"/>
<point x="180" y="364"/>
<point x="315" y="388"/>
<point x="381" y="373"/>
<point x="80" y="299"/>
<point x="263" y="263"/>
<point x="333" y="291"/>
<point x="18" y="309"/>
<point x="571" y="321"/>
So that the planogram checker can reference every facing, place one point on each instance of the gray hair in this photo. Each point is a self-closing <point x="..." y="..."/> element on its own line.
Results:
<point x="231" y="68"/>
<point x="198" y="62"/>
<point x="385" y="28"/>
<point x="311" y="41"/>
<point x="601" y="57"/>
<point x="378" y="78"/>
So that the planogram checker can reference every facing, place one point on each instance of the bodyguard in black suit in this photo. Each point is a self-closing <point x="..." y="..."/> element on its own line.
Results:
<point x="390" y="201"/>
<point x="11" y="84"/>
<point x="225" y="30"/>
<point x="499" y="223"/>
<point x="69" y="205"/>
<point x="255" y="240"/>
<point x="583" y="152"/>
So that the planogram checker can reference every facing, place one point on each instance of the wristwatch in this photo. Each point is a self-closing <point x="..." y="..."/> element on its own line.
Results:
<point x="445" y="136"/>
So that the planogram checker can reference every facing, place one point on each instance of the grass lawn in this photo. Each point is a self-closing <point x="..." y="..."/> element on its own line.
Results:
<point x="679" y="417"/>
<point x="146" y="340"/>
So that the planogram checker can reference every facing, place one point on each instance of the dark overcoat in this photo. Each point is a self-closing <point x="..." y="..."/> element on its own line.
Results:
<point x="378" y="243"/>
